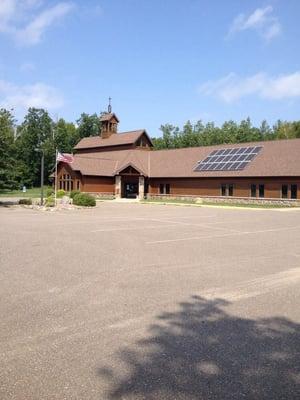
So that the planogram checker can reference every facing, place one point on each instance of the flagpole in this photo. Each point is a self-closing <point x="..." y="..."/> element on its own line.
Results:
<point x="55" y="186"/>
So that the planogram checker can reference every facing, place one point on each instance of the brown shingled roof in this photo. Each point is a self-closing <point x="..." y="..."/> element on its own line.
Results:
<point x="116" y="139"/>
<point x="108" y="116"/>
<point x="109" y="163"/>
<point x="276" y="158"/>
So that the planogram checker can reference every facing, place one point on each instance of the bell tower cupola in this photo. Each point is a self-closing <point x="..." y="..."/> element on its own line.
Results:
<point x="109" y="122"/>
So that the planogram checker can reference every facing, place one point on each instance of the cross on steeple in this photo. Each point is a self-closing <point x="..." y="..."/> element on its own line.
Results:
<point x="109" y="105"/>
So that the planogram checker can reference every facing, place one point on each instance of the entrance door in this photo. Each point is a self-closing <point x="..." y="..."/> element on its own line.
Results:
<point x="131" y="190"/>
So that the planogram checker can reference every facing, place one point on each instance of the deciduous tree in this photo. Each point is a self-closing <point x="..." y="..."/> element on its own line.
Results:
<point x="8" y="175"/>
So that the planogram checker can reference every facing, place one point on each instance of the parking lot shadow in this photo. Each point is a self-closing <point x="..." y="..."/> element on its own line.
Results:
<point x="7" y="203"/>
<point x="202" y="352"/>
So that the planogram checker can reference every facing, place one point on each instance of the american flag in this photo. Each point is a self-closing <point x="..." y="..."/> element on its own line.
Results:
<point x="67" y="158"/>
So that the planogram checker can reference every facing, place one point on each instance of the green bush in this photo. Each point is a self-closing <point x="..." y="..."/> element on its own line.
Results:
<point x="60" y="193"/>
<point x="50" y="201"/>
<point x="84" y="199"/>
<point x="27" y="202"/>
<point x="74" y="193"/>
<point x="49" y="192"/>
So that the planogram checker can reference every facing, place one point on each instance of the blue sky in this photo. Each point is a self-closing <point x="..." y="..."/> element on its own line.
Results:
<point x="161" y="61"/>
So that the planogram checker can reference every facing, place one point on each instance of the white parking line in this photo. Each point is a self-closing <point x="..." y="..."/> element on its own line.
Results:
<point x="243" y="290"/>
<point x="225" y="235"/>
<point x="134" y="228"/>
<point x="255" y="287"/>
<point x="208" y="225"/>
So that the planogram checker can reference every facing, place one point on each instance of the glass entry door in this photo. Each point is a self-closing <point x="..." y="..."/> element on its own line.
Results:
<point x="131" y="190"/>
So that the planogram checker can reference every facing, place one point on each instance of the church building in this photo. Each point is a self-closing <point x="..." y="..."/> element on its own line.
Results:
<point x="124" y="164"/>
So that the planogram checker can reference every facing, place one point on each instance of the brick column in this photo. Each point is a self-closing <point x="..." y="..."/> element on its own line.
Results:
<point x="118" y="187"/>
<point x="141" y="187"/>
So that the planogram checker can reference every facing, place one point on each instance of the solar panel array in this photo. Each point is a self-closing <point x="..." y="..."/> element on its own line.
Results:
<point x="234" y="159"/>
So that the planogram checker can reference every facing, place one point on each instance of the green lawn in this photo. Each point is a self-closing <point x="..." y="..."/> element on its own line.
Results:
<point x="33" y="192"/>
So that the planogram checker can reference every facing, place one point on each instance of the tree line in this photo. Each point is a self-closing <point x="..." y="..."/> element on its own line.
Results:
<point x="200" y="134"/>
<point x="21" y="144"/>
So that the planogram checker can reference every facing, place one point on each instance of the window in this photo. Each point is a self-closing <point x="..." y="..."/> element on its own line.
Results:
<point x="78" y="185"/>
<point x="66" y="182"/>
<point x="253" y="190"/>
<point x="223" y="190"/>
<point x="227" y="190"/>
<point x="164" y="188"/>
<point x="284" y="191"/>
<point x="261" y="190"/>
<point x="294" y="191"/>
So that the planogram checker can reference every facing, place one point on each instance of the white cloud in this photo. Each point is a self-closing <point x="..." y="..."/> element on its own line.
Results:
<point x="33" y="32"/>
<point x="23" y="20"/>
<point x="37" y="95"/>
<point x="7" y="9"/>
<point x="232" y="87"/>
<point x="261" y="20"/>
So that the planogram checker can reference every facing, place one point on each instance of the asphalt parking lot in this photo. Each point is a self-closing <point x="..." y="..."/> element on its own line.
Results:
<point x="139" y="301"/>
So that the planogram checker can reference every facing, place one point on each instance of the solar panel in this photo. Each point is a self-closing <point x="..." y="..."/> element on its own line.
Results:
<point x="230" y="159"/>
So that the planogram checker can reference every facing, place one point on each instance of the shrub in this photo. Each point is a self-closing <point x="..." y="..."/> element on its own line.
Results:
<point x="84" y="199"/>
<point x="50" y="201"/>
<point x="60" y="193"/>
<point x="49" y="192"/>
<point x="27" y="202"/>
<point x="74" y="193"/>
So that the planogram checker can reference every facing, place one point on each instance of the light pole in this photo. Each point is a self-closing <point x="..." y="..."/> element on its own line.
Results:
<point x="42" y="177"/>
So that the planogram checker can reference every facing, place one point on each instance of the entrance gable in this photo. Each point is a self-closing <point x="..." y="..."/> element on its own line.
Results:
<point x="129" y="169"/>
<point x="67" y="178"/>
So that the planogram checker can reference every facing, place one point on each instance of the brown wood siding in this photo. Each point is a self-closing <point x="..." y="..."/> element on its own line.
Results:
<point x="104" y="148"/>
<point x="98" y="184"/>
<point x="212" y="186"/>
<point x="188" y="186"/>
<point x="65" y="169"/>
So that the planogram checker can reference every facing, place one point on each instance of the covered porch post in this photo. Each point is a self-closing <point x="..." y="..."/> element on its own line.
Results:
<point x="141" y="187"/>
<point x="118" y="186"/>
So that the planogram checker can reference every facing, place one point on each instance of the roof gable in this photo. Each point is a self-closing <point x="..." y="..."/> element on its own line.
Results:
<point x="108" y="117"/>
<point x="130" y="169"/>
